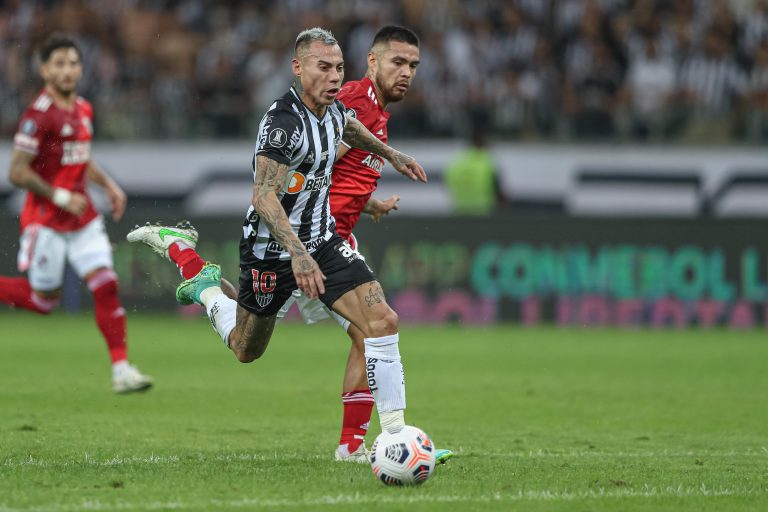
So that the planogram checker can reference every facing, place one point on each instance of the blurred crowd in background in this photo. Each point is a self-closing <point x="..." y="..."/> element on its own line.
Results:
<point x="690" y="71"/>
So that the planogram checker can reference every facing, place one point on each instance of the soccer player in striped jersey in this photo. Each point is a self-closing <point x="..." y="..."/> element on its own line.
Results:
<point x="52" y="161"/>
<point x="392" y="63"/>
<point x="289" y="235"/>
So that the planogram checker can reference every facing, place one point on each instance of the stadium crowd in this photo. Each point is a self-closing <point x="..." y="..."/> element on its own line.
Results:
<point x="672" y="70"/>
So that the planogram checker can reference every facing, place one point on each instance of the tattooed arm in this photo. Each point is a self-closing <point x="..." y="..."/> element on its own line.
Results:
<point x="270" y="177"/>
<point x="22" y="175"/>
<point x="358" y="136"/>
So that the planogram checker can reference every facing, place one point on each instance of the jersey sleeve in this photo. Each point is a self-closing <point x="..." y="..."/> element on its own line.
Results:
<point x="358" y="105"/>
<point x="279" y="135"/>
<point x="30" y="135"/>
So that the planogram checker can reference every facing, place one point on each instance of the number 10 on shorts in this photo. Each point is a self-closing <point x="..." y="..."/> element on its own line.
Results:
<point x="263" y="282"/>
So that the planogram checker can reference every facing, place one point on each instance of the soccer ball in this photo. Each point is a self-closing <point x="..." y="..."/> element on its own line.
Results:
<point x="406" y="457"/>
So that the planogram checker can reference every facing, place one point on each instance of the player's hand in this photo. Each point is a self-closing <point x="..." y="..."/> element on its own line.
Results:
<point x="408" y="166"/>
<point x="117" y="199"/>
<point x="77" y="204"/>
<point x="380" y="208"/>
<point x="308" y="276"/>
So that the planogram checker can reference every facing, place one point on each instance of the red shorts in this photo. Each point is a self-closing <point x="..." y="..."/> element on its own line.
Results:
<point x="346" y="209"/>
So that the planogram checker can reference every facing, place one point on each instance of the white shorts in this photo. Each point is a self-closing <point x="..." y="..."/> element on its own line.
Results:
<point x="44" y="251"/>
<point x="312" y="310"/>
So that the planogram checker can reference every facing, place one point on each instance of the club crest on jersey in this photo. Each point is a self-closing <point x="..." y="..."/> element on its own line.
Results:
<point x="263" y="299"/>
<point x="277" y="138"/>
<point x="28" y="127"/>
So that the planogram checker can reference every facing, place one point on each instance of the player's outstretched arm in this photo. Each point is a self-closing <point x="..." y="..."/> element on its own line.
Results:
<point x="22" y="175"/>
<point x="358" y="136"/>
<point x="377" y="208"/>
<point x="116" y="194"/>
<point x="270" y="178"/>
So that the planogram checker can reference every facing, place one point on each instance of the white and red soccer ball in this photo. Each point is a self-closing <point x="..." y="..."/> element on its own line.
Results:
<point x="406" y="457"/>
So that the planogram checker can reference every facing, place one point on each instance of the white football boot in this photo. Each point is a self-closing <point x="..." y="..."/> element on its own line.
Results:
<point x="161" y="238"/>
<point x="126" y="378"/>
<point x="361" y="456"/>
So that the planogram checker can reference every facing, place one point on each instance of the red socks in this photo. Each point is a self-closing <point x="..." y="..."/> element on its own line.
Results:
<point x="358" y="406"/>
<point x="16" y="292"/>
<point x="188" y="261"/>
<point x="110" y="315"/>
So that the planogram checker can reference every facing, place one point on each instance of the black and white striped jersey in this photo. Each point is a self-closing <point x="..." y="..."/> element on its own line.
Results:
<point x="291" y="134"/>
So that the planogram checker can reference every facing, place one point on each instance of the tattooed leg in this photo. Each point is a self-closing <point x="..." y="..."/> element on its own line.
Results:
<point x="251" y="335"/>
<point x="366" y="307"/>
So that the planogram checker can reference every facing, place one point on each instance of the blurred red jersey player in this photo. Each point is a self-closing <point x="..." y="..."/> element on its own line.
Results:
<point x="51" y="160"/>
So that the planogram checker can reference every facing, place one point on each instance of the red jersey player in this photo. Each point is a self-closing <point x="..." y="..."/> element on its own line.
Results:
<point x="51" y="159"/>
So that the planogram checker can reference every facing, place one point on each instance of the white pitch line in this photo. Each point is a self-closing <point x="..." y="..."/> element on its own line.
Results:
<point x="645" y="491"/>
<point x="169" y="460"/>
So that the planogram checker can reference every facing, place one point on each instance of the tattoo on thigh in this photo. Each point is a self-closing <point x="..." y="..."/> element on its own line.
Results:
<point x="375" y="296"/>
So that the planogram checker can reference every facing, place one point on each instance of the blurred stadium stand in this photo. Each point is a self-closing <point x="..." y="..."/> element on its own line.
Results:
<point x="593" y="107"/>
<point x="676" y="70"/>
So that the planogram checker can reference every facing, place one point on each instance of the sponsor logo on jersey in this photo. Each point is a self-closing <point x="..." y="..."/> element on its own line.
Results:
<point x="277" y="138"/>
<point x="374" y="163"/>
<point x="310" y="158"/>
<point x="298" y="182"/>
<point x="295" y="138"/>
<point x="380" y="133"/>
<point x="295" y="182"/>
<point x="75" y="152"/>
<point x="311" y="245"/>
<point x="66" y="130"/>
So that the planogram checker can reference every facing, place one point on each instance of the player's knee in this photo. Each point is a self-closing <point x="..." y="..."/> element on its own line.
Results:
<point x="46" y="302"/>
<point x="245" y="352"/>
<point x="248" y="356"/>
<point x="385" y="324"/>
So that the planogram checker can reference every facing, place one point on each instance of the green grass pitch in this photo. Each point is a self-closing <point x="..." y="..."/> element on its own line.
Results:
<point x="541" y="419"/>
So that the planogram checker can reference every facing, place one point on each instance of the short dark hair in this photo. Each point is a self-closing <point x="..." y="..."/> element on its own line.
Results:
<point x="56" y="42"/>
<point x="395" y="33"/>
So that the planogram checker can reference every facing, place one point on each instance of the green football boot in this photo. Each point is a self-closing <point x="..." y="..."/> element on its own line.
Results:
<point x="189" y="291"/>
<point x="442" y="456"/>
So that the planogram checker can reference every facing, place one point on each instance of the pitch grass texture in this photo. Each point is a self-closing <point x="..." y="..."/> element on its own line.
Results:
<point x="546" y="419"/>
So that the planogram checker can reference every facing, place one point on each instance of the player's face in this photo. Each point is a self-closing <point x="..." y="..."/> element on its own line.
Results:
<point x="321" y="72"/>
<point x="394" y="69"/>
<point x="62" y="71"/>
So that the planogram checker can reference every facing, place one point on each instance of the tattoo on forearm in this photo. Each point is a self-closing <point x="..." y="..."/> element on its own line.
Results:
<point x="358" y="136"/>
<point x="374" y="296"/>
<point x="270" y="177"/>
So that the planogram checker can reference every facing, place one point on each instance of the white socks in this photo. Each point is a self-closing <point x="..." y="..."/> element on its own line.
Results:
<point x="386" y="379"/>
<point x="222" y="311"/>
<point x="392" y="421"/>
